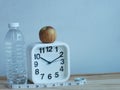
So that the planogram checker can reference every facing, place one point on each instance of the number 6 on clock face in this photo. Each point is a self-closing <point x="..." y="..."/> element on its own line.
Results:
<point x="49" y="63"/>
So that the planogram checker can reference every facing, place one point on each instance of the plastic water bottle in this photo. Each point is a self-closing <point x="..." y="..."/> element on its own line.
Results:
<point x="15" y="55"/>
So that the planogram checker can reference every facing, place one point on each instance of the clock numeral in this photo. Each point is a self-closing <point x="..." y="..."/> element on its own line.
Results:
<point x="56" y="49"/>
<point x="61" y="68"/>
<point x="46" y="49"/>
<point x="49" y="49"/>
<point x="61" y="54"/>
<point x="62" y="61"/>
<point x="56" y="74"/>
<point x="36" y="71"/>
<point x="49" y="76"/>
<point x="42" y="75"/>
<point x="37" y="56"/>
<point x="42" y="50"/>
<point x="35" y="64"/>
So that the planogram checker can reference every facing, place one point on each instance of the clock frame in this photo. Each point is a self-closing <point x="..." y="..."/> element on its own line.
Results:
<point x="49" y="62"/>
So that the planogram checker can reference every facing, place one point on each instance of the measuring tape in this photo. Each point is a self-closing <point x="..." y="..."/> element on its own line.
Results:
<point x="69" y="83"/>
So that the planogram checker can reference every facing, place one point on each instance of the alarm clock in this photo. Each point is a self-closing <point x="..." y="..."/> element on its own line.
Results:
<point x="48" y="62"/>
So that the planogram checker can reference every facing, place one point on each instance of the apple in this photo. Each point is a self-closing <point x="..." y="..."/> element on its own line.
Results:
<point x="47" y="34"/>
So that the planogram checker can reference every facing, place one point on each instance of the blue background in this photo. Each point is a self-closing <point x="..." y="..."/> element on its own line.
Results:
<point x="90" y="27"/>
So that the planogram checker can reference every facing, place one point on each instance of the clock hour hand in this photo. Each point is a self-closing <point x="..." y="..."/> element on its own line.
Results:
<point x="45" y="60"/>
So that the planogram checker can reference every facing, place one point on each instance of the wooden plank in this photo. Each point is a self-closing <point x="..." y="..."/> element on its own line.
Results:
<point x="105" y="81"/>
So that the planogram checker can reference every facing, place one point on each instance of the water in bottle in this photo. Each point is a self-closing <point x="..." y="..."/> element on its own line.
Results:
<point x="15" y="55"/>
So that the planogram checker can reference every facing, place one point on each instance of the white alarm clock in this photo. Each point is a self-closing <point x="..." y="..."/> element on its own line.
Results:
<point x="49" y="62"/>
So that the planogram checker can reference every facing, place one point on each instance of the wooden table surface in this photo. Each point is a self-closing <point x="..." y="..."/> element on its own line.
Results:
<point x="106" y="81"/>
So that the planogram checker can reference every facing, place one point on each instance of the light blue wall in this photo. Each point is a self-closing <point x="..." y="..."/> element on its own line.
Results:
<point x="90" y="27"/>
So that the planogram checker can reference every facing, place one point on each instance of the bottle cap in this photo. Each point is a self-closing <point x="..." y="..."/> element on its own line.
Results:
<point x="15" y="24"/>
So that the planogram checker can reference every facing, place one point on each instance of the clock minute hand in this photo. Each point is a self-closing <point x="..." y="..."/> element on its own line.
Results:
<point x="54" y="59"/>
<point x="45" y="60"/>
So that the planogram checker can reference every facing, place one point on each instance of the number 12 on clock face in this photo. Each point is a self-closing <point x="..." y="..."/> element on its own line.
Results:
<point x="50" y="63"/>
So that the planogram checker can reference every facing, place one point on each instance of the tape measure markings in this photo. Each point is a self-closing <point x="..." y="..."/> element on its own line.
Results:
<point x="70" y="83"/>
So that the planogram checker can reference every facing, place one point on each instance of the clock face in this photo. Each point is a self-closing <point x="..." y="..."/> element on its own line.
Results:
<point x="50" y="64"/>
